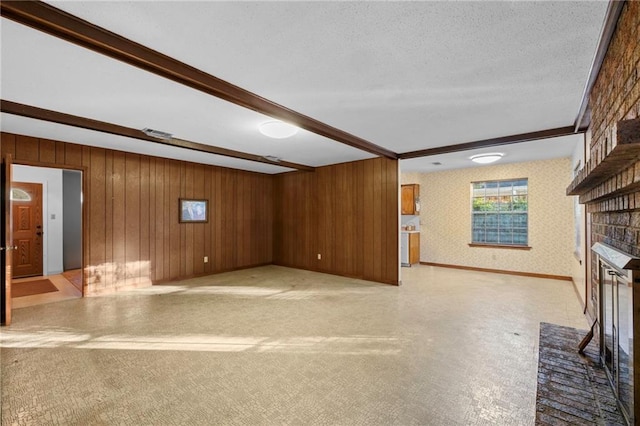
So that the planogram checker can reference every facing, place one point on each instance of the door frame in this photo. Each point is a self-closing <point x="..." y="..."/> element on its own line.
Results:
<point x="7" y="240"/>
<point x="84" y="191"/>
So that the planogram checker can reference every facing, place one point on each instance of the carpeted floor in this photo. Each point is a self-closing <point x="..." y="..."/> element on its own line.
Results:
<point x="572" y="389"/>
<point x="29" y="288"/>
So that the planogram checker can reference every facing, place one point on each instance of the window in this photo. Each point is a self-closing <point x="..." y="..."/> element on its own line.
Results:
<point x="500" y="212"/>
<point x="18" y="194"/>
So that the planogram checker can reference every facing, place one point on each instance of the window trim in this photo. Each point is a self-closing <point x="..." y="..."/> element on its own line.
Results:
<point x="501" y="246"/>
<point x="525" y="246"/>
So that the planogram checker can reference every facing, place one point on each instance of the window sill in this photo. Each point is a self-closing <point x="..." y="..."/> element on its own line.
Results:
<point x="500" y="246"/>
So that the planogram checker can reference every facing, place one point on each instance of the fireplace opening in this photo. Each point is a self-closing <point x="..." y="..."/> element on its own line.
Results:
<point x="618" y="272"/>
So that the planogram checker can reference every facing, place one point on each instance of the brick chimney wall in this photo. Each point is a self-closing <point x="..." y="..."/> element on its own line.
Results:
<point x="615" y="215"/>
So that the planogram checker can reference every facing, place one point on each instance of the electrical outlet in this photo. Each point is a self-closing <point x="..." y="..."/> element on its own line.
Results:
<point x="319" y="256"/>
<point x="206" y="259"/>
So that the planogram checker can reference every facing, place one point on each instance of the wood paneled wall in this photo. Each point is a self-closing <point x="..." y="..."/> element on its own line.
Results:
<point x="347" y="213"/>
<point x="132" y="236"/>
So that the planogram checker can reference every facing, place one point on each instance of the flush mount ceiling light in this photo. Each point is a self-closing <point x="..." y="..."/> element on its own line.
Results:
<point x="486" y="158"/>
<point x="277" y="129"/>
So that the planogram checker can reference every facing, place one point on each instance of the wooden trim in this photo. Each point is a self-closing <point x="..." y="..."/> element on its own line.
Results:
<point x="50" y="165"/>
<point x="614" y="10"/>
<point x="486" y="143"/>
<point x="55" y="22"/>
<point x="500" y="246"/>
<point x="29" y="111"/>
<point x="500" y="271"/>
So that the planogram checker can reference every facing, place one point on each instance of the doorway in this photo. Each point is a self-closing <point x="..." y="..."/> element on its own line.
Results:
<point x="57" y="235"/>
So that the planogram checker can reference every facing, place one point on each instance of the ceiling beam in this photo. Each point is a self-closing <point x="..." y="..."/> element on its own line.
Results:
<point x="58" y="23"/>
<point x="29" y="111"/>
<point x="610" y="22"/>
<point x="486" y="143"/>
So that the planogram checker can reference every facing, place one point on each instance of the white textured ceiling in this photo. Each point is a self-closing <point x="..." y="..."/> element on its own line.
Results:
<point x="546" y="149"/>
<point x="403" y="75"/>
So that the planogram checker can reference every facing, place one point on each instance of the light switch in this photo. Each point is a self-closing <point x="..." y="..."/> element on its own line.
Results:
<point x="53" y="215"/>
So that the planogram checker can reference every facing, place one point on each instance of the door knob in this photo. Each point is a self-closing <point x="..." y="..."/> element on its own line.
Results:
<point x="39" y="233"/>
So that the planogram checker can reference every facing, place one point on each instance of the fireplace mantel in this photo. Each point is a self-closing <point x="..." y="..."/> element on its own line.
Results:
<point x="624" y="151"/>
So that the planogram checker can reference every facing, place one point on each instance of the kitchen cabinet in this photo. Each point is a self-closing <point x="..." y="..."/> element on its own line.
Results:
<point x="409" y="248"/>
<point x="410" y="199"/>
<point x="414" y="248"/>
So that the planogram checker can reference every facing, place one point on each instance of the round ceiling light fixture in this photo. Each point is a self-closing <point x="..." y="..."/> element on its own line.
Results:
<point x="486" y="158"/>
<point x="277" y="129"/>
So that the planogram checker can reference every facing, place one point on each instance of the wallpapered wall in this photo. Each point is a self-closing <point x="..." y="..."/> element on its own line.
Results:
<point x="445" y="218"/>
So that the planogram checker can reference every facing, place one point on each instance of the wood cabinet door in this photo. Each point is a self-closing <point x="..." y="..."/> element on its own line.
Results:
<point x="27" y="229"/>
<point x="414" y="248"/>
<point x="408" y="199"/>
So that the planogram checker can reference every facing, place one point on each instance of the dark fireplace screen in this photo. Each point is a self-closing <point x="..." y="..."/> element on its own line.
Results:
<point x="615" y="288"/>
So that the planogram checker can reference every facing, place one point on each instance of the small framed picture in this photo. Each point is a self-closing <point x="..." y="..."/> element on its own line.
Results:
<point x="194" y="211"/>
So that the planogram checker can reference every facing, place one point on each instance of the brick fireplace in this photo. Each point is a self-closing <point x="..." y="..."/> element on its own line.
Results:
<point x="609" y="182"/>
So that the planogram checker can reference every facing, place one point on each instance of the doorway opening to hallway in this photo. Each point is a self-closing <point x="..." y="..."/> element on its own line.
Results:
<point x="47" y="235"/>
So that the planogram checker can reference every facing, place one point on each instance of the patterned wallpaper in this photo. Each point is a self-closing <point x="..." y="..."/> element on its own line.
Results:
<point x="445" y="218"/>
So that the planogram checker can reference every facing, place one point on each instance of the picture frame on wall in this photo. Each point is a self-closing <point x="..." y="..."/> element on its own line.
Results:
<point x="194" y="210"/>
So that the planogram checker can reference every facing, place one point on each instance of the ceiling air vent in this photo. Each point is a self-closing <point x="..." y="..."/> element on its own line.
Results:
<point x="157" y="134"/>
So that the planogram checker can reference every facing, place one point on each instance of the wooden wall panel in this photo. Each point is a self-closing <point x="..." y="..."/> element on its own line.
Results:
<point x="216" y="236"/>
<point x="151" y="224"/>
<point x="187" y="234"/>
<point x="73" y="155"/>
<point x="348" y="213"/>
<point x="132" y="236"/>
<point x="144" y="241"/>
<point x="8" y="144"/>
<point x="47" y="152"/>
<point x="60" y="153"/>
<point x="392" y="242"/>
<point x="198" y="228"/>
<point x="27" y="148"/>
<point x="208" y="227"/>
<point x="108" y="281"/>
<point x="95" y="229"/>
<point x="134" y="263"/>
<point x="175" y="243"/>
<point x="118" y="218"/>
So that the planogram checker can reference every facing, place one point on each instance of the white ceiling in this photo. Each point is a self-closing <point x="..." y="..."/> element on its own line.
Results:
<point x="545" y="149"/>
<point x="403" y="75"/>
